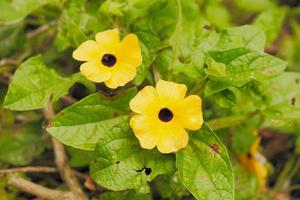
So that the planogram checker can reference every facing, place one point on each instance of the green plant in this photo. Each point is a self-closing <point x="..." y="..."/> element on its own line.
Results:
<point x="236" y="65"/>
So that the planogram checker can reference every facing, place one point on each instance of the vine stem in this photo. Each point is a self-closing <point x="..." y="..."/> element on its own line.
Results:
<point x="288" y="172"/>
<point x="38" y="169"/>
<point x="29" y="169"/>
<point x="61" y="161"/>
<point x="38" y="190"/>
<point x="176" y="37"/>
<point x="178" y="29"/>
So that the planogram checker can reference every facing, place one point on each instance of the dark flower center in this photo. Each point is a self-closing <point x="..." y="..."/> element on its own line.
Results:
<point x="108" y="60"/>
<point x="165" y="115"/>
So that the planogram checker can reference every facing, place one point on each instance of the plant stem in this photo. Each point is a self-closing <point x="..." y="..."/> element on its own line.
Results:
<point x="178" y="29"/>
<point x="61" y="161"/>
<point x="38" y="190"/>
<point x="39" y="169"/>
<point x="288" y="172"/>
<point x="29" y="169"/>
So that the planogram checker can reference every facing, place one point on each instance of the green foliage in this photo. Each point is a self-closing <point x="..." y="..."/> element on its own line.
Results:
<point x="130" y="194"/>
<point x="271" y="21"/>
<point x="11" y="38"/>
<point x="238" y="66"/>
<point x="120" y="163"/>
<point x="33" y="85"/>
<point x="284" y="103"/>
<point x="246" y="183"/>
<point x="21" y="145"/>
<point x="82" y="124"/>
<point x="80" y="158"/>
<point x="209" y="176"/>
<point x="18" y="9"/>
<point x="230" y="53"/>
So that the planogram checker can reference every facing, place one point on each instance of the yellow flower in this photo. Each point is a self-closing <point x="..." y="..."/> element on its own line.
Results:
<point x="163" y="114"/>
<point x="255" y="162"/>
<point x="108" y="60"/>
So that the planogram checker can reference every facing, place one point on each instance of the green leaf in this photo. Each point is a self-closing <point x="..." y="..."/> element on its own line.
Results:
<point x="243" y="138"/>
<point x="33" y="85"/>
<point x="271" y="22"/>
<point x="169" y="187"/>
<point x="20" y="145"/>
<point x="83" y="123"/>
<point x="217" y="14"/>
<point x="120" y="163"/>
<point x="18" y="9"/>
<point x="228" y="121"/>
<point x="11" y="38"/>
<point x="235" y="37"/>
<point x="247" y="184"/>
<point x="241" y="65"/>
<point x="284" y="97"/>
<point x="204" y="166"/>
<point x="126" y="195"/>
<point x="80" y="158"/>
<point x="255" y="5"/>
<point x="70" y="30"/>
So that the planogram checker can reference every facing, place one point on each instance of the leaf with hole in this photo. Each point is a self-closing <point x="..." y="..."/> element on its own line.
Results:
<point x="204" y="166"/>
<point x="120" y="163"/>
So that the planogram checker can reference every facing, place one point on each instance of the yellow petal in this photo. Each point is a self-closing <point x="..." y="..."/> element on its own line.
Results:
<point x="255" y="146"/>
<point x="189" y="113"/>
<point x="172" y="138"/>
<point x="129" y="51"/>
<point x="142" y="128"/>
<point x="146" y="101"/>
<point x="171" y="90"/>
<point x="120" y="75"/>
<point x="260" y="170"/>
<point x="108" y="39"/>
<point x="88" y="50"/>
<point x="95" y="72"/>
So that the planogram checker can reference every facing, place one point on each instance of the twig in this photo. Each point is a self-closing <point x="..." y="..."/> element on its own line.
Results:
<point x="7" y="61"/>
<point x="61" y="161"/>
<point x="29" y="169"/>
<point x="38" y="190"/>
<point x="40" y="29"/>
<point x="39" y="169"/>
<point x="68" y="100"/>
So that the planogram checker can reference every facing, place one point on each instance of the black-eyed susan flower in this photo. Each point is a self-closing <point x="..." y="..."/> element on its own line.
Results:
<point x="163" y="115"/>
<point x="255" y="162"/>
<point x="108" y="60"/>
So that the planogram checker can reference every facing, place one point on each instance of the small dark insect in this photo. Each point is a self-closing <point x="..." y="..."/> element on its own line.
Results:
<point x="117" y="162"/>
<point x="215" y="148"/>
<point x="148" y="171"/>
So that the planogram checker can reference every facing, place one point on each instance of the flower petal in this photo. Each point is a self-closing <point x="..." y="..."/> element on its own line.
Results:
<point x="129" y="51"/>
<point x="172" y="139"/>
<point x="141" y="126"/>
<point x="260" y="171"/>
<point x="255" y="146"/>
<point x="171" y="90"/>
<point x="120" y="75"/>
<point x="108" y="39"/>
<point x="189" y="113"/>
<point x="95" y="72"/>
<point x="88" y="50"/>
<point x="146" y="101"/>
